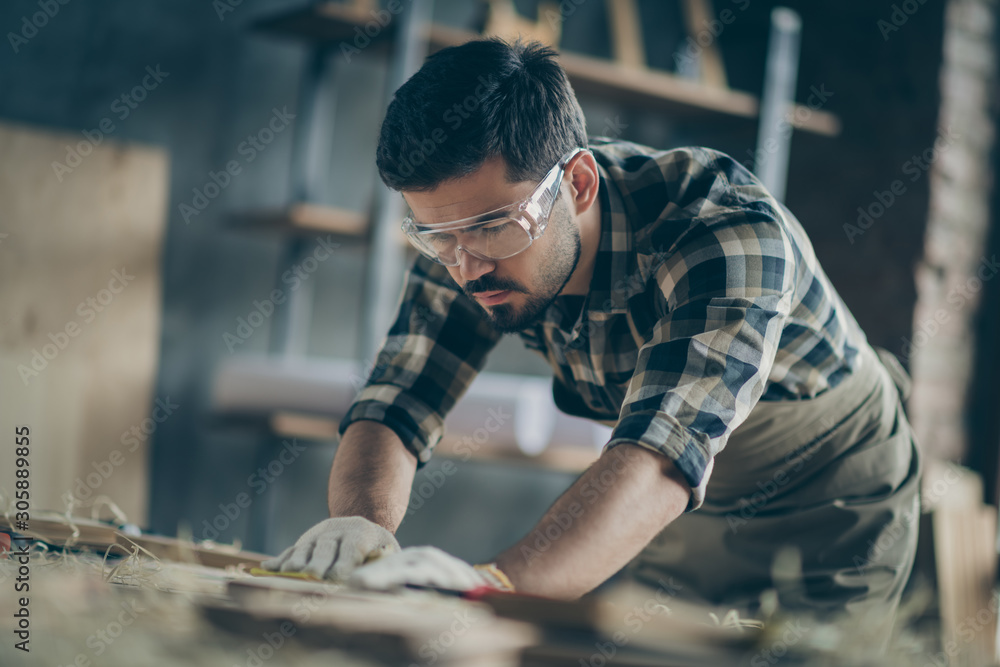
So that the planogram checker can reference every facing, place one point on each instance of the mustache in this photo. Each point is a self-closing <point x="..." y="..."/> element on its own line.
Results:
<point x="490" y="283"/>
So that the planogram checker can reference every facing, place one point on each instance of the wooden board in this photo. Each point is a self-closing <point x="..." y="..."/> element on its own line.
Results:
<point x="59" y="533"/>
<point x="626" y="33"/>
<point x="965" y="552"/>
<point x="397" y="628"/>
<point x="697" y="15"/>
<point x="69" y="235"/>
<point x="172" y="549"/>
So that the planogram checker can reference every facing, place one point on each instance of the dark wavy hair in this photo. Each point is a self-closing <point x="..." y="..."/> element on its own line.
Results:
<point x="472" y="102"/>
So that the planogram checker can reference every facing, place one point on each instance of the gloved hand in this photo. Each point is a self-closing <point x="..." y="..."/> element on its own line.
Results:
<point x="428" y="566"/>
<point x="333" y="548"/>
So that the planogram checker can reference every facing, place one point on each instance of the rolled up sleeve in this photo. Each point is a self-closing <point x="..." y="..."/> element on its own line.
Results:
<point x="436" y="346"/>
<point x="721" y="298"/>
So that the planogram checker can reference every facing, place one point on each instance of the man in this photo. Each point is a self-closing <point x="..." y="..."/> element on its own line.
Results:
<point x="675" y="300"/>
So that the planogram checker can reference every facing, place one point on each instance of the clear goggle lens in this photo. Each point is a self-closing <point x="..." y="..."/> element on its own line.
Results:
<point x="494" y="235"/>
<point x="497" y="239"/>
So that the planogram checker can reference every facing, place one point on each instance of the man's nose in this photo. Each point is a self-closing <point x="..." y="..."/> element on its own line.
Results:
<point x="471" y="267"/>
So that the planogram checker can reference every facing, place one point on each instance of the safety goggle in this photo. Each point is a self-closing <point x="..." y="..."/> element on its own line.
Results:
<point x="496" y="234"/>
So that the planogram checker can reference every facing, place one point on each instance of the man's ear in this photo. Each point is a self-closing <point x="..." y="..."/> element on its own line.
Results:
<point x="584" y="181"/>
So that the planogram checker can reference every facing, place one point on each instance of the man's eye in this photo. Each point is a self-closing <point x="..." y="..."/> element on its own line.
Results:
<point x="494" y="228"/>
<point x="441" y="239"/>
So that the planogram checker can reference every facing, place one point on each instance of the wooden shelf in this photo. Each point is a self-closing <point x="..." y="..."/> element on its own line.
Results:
<point x="309" y="427"/>
<point x="327" y="23"/>
<point x="308" y="219"/>
<point x="331" y="22"/>
<point x="653" y="89"/>
<point x="564" y="459"/>
<point x="286" y="424"/>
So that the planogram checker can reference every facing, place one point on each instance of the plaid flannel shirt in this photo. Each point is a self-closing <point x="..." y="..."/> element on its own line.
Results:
<point x="706" y="298"/>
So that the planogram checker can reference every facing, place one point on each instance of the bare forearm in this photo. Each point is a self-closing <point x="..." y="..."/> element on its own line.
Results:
<point x="372" y="475"/>
<point x="616" y="507"/>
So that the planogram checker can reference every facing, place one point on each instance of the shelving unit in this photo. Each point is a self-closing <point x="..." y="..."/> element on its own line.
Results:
<point x="304" y="219"/>
<point x="652" y="89"/>
<point x="327" y="24"/>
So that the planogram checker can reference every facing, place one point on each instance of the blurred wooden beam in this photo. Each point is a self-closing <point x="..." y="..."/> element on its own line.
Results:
<point x="656" y="90"/>
<point x="626" y="33"/>
<point x="698" y="14"/>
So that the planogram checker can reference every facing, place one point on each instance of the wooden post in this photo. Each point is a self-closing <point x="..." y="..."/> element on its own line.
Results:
<point x="626" y="33"/>
<point x="698" y="14"/>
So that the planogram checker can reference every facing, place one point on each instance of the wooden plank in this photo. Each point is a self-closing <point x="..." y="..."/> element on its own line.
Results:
<point x="504" y="21"/>
<point x="568" y="459"/>
<point x="965" y="550"/>
<point x="329" y="23"/>
<point x="626" y="33"/>
<point x="80" y="283"/>
<point x="652" y="88"/>
<point x="655" y="90"/>
<point x="565" y="459"/>
<point x="172" y="549"/>
<point x="59" y="533"/>
<point x="698" y="14"/>
<point x="292" y="425"/>
<point x="305" y="218"/>
<point x="397" y="628"/>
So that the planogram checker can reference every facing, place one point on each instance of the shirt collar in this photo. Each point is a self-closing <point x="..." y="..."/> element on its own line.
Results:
<point x="615" y="260"/>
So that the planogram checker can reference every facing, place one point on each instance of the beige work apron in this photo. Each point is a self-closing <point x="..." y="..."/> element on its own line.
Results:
<point x="835" y="477"/>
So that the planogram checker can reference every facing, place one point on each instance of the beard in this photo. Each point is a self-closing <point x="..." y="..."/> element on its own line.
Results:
<point x="555" y="270"/>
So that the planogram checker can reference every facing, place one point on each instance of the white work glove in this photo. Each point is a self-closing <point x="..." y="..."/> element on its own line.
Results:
<point x="428" y="566"/>
<point x="333" y="548"/>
